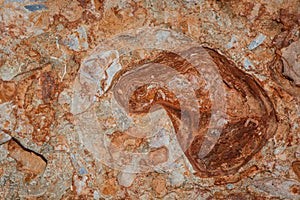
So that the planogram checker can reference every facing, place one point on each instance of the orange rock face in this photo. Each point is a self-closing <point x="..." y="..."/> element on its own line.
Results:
<point x="149" y="99"/>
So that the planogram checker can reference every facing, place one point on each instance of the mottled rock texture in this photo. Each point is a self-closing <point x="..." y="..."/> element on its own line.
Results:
<point x="149" y="99"/>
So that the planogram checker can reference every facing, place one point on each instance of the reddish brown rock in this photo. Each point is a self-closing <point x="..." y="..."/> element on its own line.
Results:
<point x="27" y="162"/>
<point x="7" y="91"/>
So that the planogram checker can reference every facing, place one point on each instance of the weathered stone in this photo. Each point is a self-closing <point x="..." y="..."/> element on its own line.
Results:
<point x="27" y="162"/>
<point x="159" y="185"/>
<point x="126" y="178"/>
<point x="149" y="99"/>
<point x="291" y="61"/>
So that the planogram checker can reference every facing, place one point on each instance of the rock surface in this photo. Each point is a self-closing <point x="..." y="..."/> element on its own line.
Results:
<point x="149" y="99"/>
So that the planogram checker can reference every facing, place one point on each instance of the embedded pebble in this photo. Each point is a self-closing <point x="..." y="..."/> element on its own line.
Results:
<point x="4" y="138"/>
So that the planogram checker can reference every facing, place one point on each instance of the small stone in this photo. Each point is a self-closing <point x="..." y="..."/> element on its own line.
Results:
<point x="295" y="189"/>
<point x="80" y="183"/>
<point x="109" y="187"/>
<point x="34" y="55"/>
<point x="159" y="155"/>
<point x="96" y="195"/>
<point x="230" y="186"/>
<point x="257" y="41"/>
<point x="159" y="185"/>
<point x="282" y="156"/>
<point x="126" y="179"/>
<point x="35" y="7"/>
<point x="4" y="138"/>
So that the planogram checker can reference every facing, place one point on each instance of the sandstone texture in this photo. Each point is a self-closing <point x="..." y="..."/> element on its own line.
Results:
<point x="149" y="99"/>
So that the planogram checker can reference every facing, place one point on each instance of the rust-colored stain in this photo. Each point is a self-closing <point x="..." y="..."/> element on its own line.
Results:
<point x="7" y="91"/>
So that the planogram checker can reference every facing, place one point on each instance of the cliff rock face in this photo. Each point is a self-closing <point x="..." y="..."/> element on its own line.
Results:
<point x="149" y="99"/>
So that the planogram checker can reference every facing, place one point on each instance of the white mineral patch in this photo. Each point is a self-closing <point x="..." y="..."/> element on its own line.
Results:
<point x="257" y="41"/>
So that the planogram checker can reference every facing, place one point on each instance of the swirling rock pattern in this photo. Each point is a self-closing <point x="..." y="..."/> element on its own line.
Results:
<point x="252" y="122"/>
<point x="221" y="116"/>
<point x="251" y="115"/>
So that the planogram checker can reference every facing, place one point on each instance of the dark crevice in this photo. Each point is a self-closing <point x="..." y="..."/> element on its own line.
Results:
<point x="29" y="150"/>
<point x="227" y="84"/>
